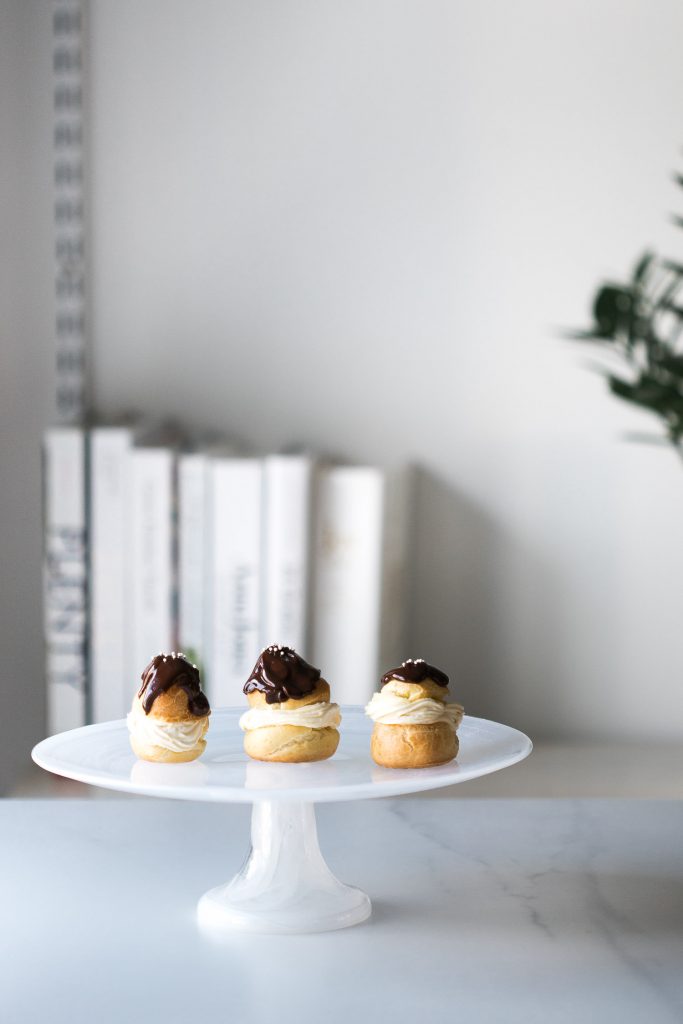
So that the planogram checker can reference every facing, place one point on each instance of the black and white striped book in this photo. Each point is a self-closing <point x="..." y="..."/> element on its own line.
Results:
<point x="65" y="577"/>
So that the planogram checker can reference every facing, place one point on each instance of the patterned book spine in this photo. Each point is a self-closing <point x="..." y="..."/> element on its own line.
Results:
<point x="65" y="577"/>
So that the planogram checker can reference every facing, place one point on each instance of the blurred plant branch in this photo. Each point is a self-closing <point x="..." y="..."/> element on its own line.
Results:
<point x="640" y="322"/>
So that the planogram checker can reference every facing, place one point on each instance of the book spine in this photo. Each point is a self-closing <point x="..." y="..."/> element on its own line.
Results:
<point x="109" y="499"/>
<point x="234" y="580"/>
<point x="287" y="526"/>
<point x="65" y="578"/>
<point x="347" y="588"/>
<point x="192" y="562"/>
<point x="397" y="546"/>
<point x="150" y="571"/>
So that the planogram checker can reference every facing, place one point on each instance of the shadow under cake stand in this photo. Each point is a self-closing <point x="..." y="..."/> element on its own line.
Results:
<point x="285" y="885"/>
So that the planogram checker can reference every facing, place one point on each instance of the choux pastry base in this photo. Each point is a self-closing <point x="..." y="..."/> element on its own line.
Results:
<point x="164" y="756"/>
<point x="413" y="746"/>
<point x="291" y="744"/>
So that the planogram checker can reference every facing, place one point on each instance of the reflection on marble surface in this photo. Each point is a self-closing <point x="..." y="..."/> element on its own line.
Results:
<point x="275" y="775"/>
<point x="150" y="773"/>
<point x="559" y="912"/>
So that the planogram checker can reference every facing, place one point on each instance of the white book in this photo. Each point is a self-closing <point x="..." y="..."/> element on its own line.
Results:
<point x="109" y="503"/>
<point x="150" y="573"/>
<point x="286" y="545"/>
<point x="358" y="582"/>
<point x="192" y="555"/>
<point x="398" y="516"/>
<point x="234" y="578"/>
<point x="65" y="577"/>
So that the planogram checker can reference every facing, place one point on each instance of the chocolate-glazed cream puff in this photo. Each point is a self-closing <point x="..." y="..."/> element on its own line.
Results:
<point x="290" y="717"/>
<point x="170" y="714"/>
<point x="415" y="726"/>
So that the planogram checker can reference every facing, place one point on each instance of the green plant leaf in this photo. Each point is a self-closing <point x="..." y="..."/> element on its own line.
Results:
<point x="668" y="306"/>
<point x="582" y="336"/>
<point x="649" y="393"/>
<point x="613" y="310"/>
<point x="642" y="267"/>
<point x="655" y="440"/>
<point x="673" y="266"/>
<point x="672" y="363"/>
<point x="641" y="322"/>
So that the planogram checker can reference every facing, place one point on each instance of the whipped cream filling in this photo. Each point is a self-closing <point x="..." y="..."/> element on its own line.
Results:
<point x="155" y="732"/>
<point x="390" y="709"/>
<point x="310" y="716"/>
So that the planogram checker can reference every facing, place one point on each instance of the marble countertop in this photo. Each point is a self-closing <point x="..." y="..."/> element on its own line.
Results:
<point x="546" y="911"/>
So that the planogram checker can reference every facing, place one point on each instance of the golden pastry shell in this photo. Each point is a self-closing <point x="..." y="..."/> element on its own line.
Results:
<point x="413" y="746"/>
<point x="417" y="691"/>
<point x="320" y="695"/>
<point x="290" y="744"/>
<point x="171" y="706"/>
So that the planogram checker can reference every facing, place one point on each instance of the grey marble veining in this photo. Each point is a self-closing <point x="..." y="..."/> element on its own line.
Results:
<point x="535" y="911"/>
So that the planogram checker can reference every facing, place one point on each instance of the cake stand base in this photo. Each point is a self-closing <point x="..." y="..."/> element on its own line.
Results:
<point x="285" y="886"/>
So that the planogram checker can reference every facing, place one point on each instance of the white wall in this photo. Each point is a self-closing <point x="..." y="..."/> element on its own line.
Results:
<point x="358" y="225"/>
<point x="26" y="362"/>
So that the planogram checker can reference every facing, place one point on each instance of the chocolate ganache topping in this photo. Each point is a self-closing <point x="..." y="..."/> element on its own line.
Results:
<point x="167" y="670"/>
<point x="416" y="672"/>
<point x="280" y="674"/>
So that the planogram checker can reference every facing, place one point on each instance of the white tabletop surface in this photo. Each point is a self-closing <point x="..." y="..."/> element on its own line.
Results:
<point x="537" y="911"/>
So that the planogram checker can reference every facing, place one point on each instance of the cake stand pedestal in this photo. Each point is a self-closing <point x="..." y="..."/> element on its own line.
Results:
<point x="285" y="886"/>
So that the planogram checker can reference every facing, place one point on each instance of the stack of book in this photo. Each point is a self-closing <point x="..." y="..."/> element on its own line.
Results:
<point x="154" y="544"/>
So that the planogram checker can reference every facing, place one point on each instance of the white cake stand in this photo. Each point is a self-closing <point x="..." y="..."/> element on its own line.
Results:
<point x="285" y="885"/>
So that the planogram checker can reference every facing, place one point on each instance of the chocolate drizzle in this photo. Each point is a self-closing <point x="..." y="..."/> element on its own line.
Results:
<point x="167" y="670"/>
<point x="280" y="674"/>
<point x="416" y="672"/>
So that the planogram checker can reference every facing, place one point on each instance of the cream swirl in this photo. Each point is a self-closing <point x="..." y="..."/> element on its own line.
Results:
<point x="155" y="732"/>
<point x="310" y="716"/>
<point x="390" y="709"/>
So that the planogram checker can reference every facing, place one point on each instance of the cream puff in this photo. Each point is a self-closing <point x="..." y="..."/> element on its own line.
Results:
<point x="170" y="714"/>
<point x="290" y="717"/>
<point x="414" y="726"/>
